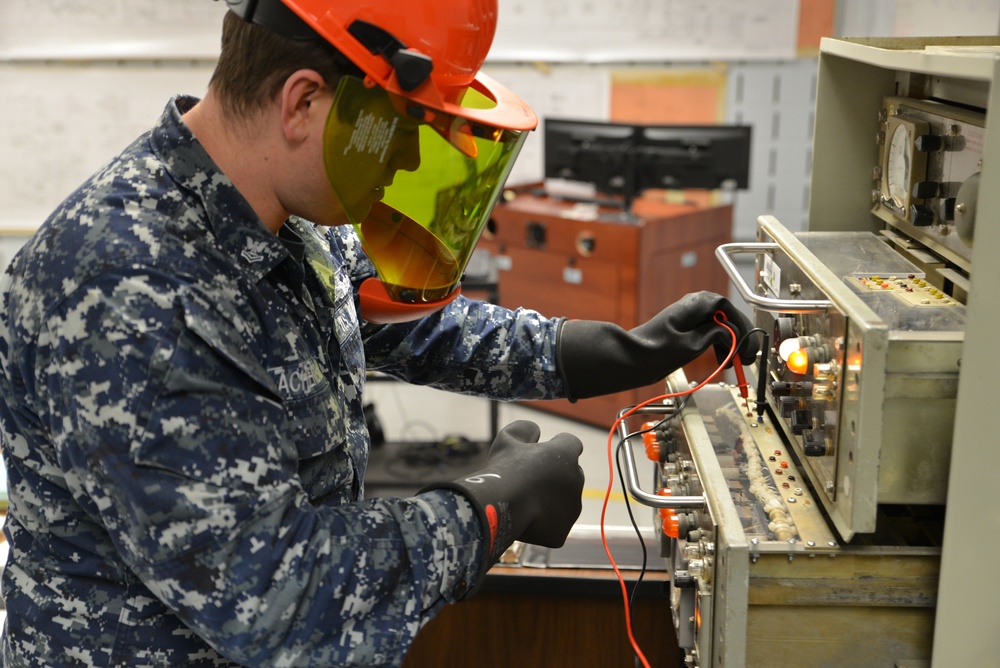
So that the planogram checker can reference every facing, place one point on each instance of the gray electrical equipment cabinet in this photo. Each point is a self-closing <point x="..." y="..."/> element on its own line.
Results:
<point x="839" y="513"/>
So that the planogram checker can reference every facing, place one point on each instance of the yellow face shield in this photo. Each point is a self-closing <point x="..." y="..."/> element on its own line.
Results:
<point x="417" y="183"/>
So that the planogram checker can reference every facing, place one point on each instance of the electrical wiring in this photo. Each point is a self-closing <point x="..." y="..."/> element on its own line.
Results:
<point x="721" y="319"/>
<point x="628" y="505"/>
<point x="642" y="543"/>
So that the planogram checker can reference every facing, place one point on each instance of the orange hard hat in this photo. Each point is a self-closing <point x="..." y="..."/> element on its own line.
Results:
<point x="424" y="50"/>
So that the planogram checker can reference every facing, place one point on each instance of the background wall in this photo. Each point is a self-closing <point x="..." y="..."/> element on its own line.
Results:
<point x="80" y="79"/>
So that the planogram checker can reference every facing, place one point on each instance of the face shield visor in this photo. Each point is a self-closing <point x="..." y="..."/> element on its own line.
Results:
<point x="418" y="184"/>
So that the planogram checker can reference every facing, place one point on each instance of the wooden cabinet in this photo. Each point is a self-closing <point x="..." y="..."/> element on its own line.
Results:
<point x="527" y="617"/>
<point x="564" y="259"/>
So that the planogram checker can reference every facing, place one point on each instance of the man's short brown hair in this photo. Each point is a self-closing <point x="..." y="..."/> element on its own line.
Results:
<point x="255" y="63"/>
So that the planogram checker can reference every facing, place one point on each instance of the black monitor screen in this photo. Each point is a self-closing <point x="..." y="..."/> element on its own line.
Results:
<point x="594" y="152"/>
<point x="693" y="156"/>
<point x="625" y="159"/>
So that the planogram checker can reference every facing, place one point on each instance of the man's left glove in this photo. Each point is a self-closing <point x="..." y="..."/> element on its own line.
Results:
<point x="598" y="358"/>
<point x="528" y="491"/>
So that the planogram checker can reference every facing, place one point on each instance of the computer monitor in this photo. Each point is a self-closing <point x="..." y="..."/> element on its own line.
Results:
<point x="626" y="159"/>
<point x="592" y="152"/>
<point x="693" y="156"/>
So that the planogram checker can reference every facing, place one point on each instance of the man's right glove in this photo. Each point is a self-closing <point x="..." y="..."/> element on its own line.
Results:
<point x="598" y="358"/>
<point x="528" y="491"/>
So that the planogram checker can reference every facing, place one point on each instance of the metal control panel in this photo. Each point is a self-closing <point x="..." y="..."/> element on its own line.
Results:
<point x="762" y="491"/>
<point x="927" y="174"/>
<point x="868" y="316"/>
<point x="863" y="366"/>
<point x="758" y="578"/>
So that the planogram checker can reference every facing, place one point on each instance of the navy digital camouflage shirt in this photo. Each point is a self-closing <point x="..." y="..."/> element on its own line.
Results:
<point x="180" y="402"/>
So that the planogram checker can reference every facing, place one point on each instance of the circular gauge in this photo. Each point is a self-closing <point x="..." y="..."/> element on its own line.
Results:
<point x="897" y="165"/>
<point x="902" y="164"/>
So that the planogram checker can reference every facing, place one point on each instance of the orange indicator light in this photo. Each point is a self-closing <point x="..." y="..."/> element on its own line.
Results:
<point x="798" y="362"/>
<point x="652" y="443"/>
<point x="668" y="517"/>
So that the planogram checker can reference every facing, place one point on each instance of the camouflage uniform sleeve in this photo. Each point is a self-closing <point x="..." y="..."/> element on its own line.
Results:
<point x="475" y="348"/>
<point x="183" y="453"/>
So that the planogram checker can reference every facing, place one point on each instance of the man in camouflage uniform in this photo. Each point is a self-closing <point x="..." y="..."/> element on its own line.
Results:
<point x="181" y="373"/>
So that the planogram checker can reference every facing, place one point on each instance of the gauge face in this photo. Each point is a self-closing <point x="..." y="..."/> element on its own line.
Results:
<point x="898" y="166"/>
<point x="902" y="164"/>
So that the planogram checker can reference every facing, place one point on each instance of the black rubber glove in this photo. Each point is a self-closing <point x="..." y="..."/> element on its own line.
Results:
<point x="601" y="358"/>
<point x="529" y="491"/>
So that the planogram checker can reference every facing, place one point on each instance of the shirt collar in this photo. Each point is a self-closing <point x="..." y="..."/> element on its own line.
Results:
<point x="238" y="230"/>
<point x="293" y="242"/>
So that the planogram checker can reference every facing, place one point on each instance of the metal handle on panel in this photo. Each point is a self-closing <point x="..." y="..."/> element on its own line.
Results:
<point x="631" y="471"/>
<point x="769" y="304"/>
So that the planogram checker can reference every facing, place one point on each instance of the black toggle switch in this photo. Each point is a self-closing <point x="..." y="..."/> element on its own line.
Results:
<point x="801" y="420"/>
<point x="814" y="443"/>
<point x="926" y="189"/>
<point x="928" y="143"/>
<point x="922" y="215"/>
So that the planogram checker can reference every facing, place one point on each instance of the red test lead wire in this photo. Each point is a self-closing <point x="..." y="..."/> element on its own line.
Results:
<point x="741" y="381"/>
<point x="741" y="378"/>
<point x="721" y="319"/>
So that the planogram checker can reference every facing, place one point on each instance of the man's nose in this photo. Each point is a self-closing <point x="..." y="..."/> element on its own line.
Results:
<point x="406" y="153"/>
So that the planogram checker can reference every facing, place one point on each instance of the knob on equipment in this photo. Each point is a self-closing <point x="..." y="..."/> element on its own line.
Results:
<point x="965" y="208"/>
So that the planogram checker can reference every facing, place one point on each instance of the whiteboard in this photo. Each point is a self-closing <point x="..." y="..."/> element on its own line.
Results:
<point x="102" y="29"/>
<point x="605" y="31"/>
<point x="60" y="123"/>
<point x="577" y="31"/>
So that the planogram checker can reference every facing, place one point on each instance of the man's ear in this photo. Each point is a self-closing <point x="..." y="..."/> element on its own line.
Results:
<point x="297" y="101"/>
